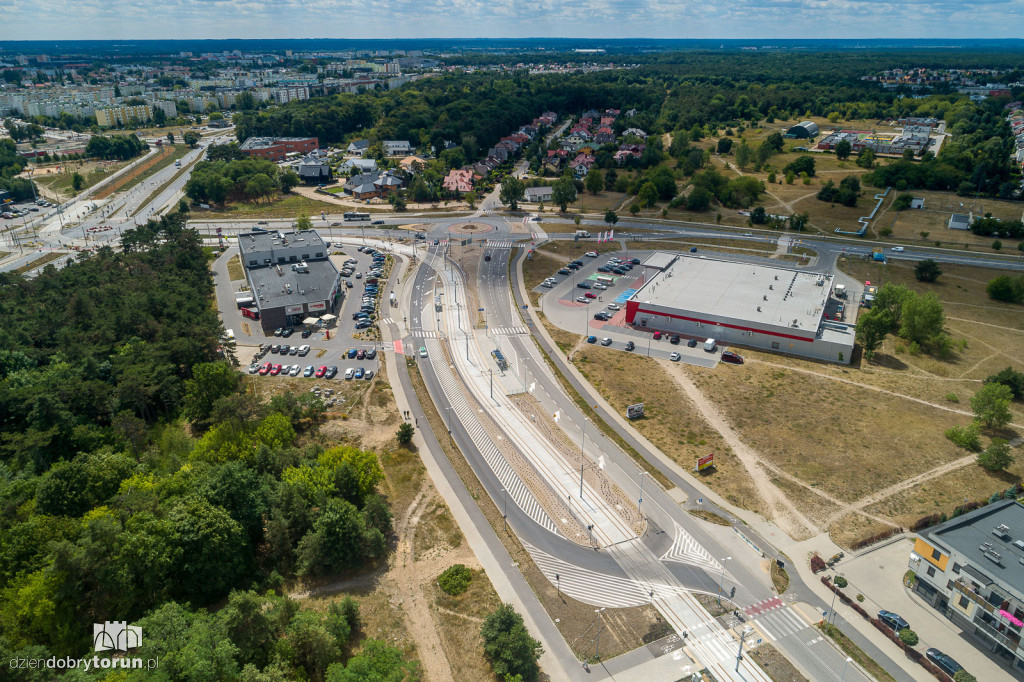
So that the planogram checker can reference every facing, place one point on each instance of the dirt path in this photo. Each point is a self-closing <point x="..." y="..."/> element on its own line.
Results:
<point x="788" y="517"/>
<point x="985" y="324"/>
<point x="880" y="495"/>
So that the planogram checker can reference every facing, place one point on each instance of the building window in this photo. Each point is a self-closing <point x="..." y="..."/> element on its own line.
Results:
<point x="293" y="258"/>
<point x="949" y="584"/>
<point x="305" y="256"/>
<point x="964" y="602"/>
<point x="956" y="568"/>
<point x="775" y="344"/>
<point x="253" y="263"/>
<point x="280" y="259"/>
<point x="319" y="254"/>
<point x="931" y="571"/>
<point x="936" y="554"/>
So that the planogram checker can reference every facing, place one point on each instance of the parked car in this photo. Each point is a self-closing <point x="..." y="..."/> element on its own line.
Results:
<point x="592" y="254"/>
<point x="287" y="332"/>
<point x="582" y="299"/>
<point x="275" y="348"/>
<point x="279" y="331"/>
<point x="893" y="620"/>
<point x="548" y="285"/>
<point x="601" y="316"/>
<point x="361" y="355"/>
<point x="583" y="285"/>
<point x="944" y="662"/>
<point x="371" y="354"/>
<point x="284" y="349"/>
<point x="368" y="375"/>
<point x="360" y="372"/>
<point x="306" y="333"/>
<point x="254" y="368"/>
<point x="592" y="339"/>
<point x="600" y="286"/>
<point x="351" y="353"/>
<point x="275" y="370"/>
<point x="294" y="371"/>
<point x="423" y="352"/>
<point x="590" y="294"/>
<point x="634" y="261"/>
<point x="614" y="306"/>
<point x="657" y="336"/>
<point x="674" y="339"/>
<point x="308" y="372"/>
<point x="332" y="372"/>
<point x="265" y="369"/>
<point x="606" y="341"/>
<point x="603" y="268"/>
<point x="321" y="371"/>
<point x="350" y="372"/>
<point x="675" y="357"/>
<point x="692" y="343"/>
<point x="363" y="325"/>
<point x="630" y="345"/>
<point x="564" y="271"/>
<point x="734" y="358"/>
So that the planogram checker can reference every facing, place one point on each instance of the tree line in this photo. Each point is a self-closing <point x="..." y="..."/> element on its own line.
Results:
<point x="252" y="179"/>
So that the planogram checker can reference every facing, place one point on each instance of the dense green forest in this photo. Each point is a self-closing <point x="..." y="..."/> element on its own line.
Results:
<point x="140" y="483"/>
<point x="121" y="147"/>
<point x="11" y="164"/>
<point x="254" y="179"/>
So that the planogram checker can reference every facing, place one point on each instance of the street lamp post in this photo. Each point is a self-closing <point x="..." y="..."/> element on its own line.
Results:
<point x="721" y="585"/>
<point x="848" y="659"/>
<point x="504" y="504"/>
<point x="739" y="655"/>
<point x="832" y="609"/>
<point x="597" y="647"/>
<point x="640" y="500"/>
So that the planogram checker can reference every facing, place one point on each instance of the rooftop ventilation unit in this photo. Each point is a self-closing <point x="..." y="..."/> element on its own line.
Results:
<point x="1002" y="531"/>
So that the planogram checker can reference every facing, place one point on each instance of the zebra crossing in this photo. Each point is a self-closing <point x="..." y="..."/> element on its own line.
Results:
<point x="774" y="618"/>
<point x="500" y="245"/>
<point x="426" y="333"/>
<point x="509" y="331"/>
<point x="589" y="587"/>
<point x="686" y="550"/>
<point x="508" y="478"/>
<point x="387" y="320"/>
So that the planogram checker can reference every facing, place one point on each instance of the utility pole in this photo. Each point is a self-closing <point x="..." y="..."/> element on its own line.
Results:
<point x="739" y="655"/>
<point x="640" y="501"/>
<point x="721" y="585"/>
<point x="597" y="647"/>
<point x="504" y="503"/>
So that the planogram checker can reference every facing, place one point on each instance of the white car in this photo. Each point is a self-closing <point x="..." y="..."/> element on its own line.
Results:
<point x="582" y="299"/>
<point x="549" y="285"/>
<point x="423" y="352"/>
<point x="898" y="249"/>
<point x="253" y="369"/>
<point x="600" y="286"/>
<point x="614" y="306"/>
<point x="675" y="357"/>
<point x="350" y="372"/>
<point x="606" y="341"/>
<point x="294" y="371"/>
<point x="592" y="254"/>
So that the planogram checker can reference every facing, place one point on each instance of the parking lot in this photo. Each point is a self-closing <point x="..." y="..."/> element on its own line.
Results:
<point x="25" y="209"/>
<point x="590" y="299"/>
<point x="332" y="352"/>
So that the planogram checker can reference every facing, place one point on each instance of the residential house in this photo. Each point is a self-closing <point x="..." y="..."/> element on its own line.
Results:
<point x="636" y="132"/>
<point x="362" y="165"/>
<point x="482" y="168"/>
<point x="535" y="195"/>
<point x="314" y="172"/>
<point x="357" y="147"/>
<point x="581" y="165"/>
<point x="373" y="185"/>
<point x="413" y="164"/>
<point x="458" y="182"/>
<point x="607" y="120"/>
<point x="397" y="147"/>
<point x="500" y="153"/>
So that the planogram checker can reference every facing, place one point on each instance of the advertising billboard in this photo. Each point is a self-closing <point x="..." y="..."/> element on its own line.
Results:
<point x="705" y="462"/>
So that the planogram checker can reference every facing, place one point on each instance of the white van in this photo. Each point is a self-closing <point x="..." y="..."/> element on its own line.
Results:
<point x="710" y="345"/>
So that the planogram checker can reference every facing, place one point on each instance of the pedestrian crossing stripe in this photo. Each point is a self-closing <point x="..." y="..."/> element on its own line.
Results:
<point x="426" y="333"/>
<point x="779" y="623"/>
<point x="501" y="245"/>
<point x="509" y="331"/>
<point x="686" y="550"/>
<point x="387" y="320"/>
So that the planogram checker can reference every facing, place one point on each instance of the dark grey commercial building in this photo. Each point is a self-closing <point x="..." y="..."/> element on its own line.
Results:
<point x="290" y="276"/>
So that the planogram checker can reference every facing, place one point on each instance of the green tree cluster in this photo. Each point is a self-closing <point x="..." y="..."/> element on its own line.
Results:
<point x="509" y="646"/>
<point x="120" y="147"/>
<point x="216" y="182"/>
<point x="918" y="318"/>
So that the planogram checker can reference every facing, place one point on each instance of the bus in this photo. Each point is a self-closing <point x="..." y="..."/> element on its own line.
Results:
<point x="355" y="215"/>
<point x="605" y="279"/>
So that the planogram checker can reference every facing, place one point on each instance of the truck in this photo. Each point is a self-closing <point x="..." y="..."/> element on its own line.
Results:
<point x="840" y="291"/>
<point x="878" y="255"/>
<point x="394" y="300"/>
<point x="582" y="233"/>
<point x="869" y="296"/>
<point x="437" y="303"/>
<point x="710" y="345"/>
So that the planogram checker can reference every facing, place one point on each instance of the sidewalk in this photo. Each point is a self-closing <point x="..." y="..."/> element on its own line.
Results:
<point x="878" y="575"/>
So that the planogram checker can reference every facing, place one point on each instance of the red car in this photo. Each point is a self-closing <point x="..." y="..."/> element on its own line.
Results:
<point x="657" y="335"/>
<point x="734" y="358"/>
<point x="321" y="372"/>
<point x="590" y="294"/>
<point x="265" y="369"/>
<point x="275" y="370"/>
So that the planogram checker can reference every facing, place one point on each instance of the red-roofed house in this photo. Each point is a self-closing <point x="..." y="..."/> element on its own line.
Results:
<point x="458" y="182"/>
<point x="581" y="165"/>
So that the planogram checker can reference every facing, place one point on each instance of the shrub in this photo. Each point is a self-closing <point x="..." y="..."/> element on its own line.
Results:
<point x="877" y="537"/>
<point x="952" y="397"/>
<point x="968" y="437"/>
<point x="841" y="582"/>
<point x="817" y="564"/>
<point x="909" y="637"/>
<point x="455" y="579"/>
<point x="926" y="522"/>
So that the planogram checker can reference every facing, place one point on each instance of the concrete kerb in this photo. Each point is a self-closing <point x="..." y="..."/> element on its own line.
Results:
<point x="488" y="560"/>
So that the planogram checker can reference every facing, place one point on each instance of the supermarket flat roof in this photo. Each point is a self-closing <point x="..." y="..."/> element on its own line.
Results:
<point x="707" y="285"/>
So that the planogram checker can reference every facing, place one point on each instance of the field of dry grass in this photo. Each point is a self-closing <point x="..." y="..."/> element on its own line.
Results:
<point x="670" y="421"/>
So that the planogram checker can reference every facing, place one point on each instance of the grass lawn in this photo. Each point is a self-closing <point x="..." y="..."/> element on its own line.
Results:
<point x="92" y="172"/>
<point x="775" y="664"/>
<point x="856" y="653"/>
<point x="235" y="271"/>
<point x="38" y="262"/>
<point x="284" y="206"/>
<point x="459" y="619"/>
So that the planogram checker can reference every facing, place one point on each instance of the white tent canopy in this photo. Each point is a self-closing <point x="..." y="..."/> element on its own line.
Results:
<point x="310" y="320"/>
<point x="328" y="317"/>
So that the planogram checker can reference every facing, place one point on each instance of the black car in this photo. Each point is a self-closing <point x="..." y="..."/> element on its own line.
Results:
<point x="377" y="222"/>
<point x="287" y="332"/>
<point x="564" y="271"/>
<point x="578" y="263"/>
<point x="944" y="662"/>
<point x="630" y="345"/>
<point x="283" y="350"/>
<point x="601" y="316"/>
<point x="603" y="268"/>
<point x="371" y="354"/>
<point x="583" y="285"/>
<point x="692" y="343"/>
<point x="618" y="271"/>
<point x="674" y="339"/>
<point x="634" y="261"/>
<point x="306" y="333"/>
<point x="893" y="620"/>
<point x="572" y="266"/>
<point x="487" y="256"/>
<point x="332" y="372"/>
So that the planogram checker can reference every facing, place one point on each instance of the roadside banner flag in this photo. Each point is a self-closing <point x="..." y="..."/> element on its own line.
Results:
<point x="611" y="235"/>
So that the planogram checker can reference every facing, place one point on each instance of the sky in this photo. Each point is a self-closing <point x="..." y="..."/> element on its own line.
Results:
<point x="762" y="19"/>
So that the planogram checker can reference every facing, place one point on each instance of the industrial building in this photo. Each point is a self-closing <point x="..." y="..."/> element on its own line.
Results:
<point x="803" y="130"/>
<point x="971" y="568"/>
<point x="770" y="307"/>
<point x="290" y="276"/>
<point x="278" y="148"/>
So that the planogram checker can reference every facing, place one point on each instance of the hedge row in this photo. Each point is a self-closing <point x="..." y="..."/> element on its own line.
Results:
<point x="930" y="520"/>
<point x="877" y="537"/>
